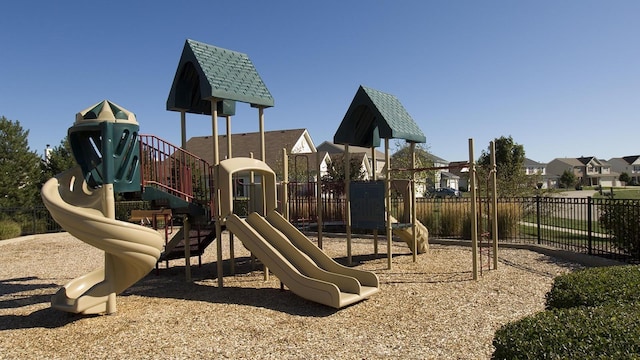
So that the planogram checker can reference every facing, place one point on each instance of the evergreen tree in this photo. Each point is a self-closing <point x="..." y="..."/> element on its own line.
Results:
<point x="58" y="160"/>
<point x="19" y="167"/>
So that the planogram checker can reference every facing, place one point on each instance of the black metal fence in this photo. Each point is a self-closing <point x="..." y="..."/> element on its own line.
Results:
<point x="603" y="227"/>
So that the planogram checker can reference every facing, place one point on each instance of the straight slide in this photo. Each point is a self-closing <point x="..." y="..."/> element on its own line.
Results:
<point x="297" y="262"/>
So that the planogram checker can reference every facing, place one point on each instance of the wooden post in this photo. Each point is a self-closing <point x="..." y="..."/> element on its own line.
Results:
<point x="387" y="195"/>
<point x="474" y="217"/>
<point x="347" y="186"/>
<point x="494" y="205"/>
<point x="319" y="207"/>
<point x="412" y="188"/>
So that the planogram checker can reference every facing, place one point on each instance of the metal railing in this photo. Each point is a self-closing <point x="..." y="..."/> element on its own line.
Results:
<point x="603" y="227"/>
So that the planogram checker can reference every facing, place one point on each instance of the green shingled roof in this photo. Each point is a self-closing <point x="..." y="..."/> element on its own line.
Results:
<point x="207" y="71"/>
<point x="373" y="115"/>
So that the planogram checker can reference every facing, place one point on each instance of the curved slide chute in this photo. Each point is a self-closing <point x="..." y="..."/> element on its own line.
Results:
<point x="131" y="251"/>
<point x="305" y="269"/>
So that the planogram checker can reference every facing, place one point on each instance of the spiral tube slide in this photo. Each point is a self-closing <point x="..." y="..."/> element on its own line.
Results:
<point x="131" y="251"/>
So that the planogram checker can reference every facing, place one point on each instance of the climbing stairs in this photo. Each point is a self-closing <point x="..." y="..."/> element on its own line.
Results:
<point x="175" y="179"/>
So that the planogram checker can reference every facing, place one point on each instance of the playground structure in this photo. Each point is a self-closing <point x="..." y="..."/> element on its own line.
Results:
<point x="113" y="158"/>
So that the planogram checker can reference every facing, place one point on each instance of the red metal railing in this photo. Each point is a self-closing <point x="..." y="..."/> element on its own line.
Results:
<point x="174" y="170"/>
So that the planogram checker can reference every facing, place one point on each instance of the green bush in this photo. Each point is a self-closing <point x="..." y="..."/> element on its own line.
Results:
<point x="9" y="229"/>
<point x="622" y="219"/>
<point x="607" y="332"/>
<point x="596" y="286"/>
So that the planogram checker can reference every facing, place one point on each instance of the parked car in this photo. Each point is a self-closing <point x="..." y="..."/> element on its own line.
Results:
<point x="446" y="193"/>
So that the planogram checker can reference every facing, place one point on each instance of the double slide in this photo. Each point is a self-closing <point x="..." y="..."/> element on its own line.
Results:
<point x="131" y="251"/>
<point x="304" y="268"/>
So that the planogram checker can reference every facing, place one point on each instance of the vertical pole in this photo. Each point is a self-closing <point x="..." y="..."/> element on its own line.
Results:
<point x="412" y="210"/>
<point x="232" y="256"/>
<point x="374" y="177"/>
<point x="494" y="205"/>
<point x="229" y="154"/>
<point x="589" y="224"/>
<point x="474" y="217"/>
<point x="347" y="188"/>
<point x="263" y="157"/>
<point x="539" y="228"/>
<point x="285" y="184"/>
<point x="216" y="192"/>
<point x="187" y="248"/>
<point x="319" y="207"/>
<point x="387" y="195"/>
<point x="183" y="129"/>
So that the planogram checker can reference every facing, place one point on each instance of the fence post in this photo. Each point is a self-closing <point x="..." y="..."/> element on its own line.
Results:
<point x="589" y="224"/>
<point x="538" y="218"/>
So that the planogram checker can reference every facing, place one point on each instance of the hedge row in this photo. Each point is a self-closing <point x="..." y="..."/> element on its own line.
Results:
<point x="592" y="314"/>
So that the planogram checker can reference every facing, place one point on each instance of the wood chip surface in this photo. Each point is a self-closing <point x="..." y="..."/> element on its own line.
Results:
<point x="429" y="309"/>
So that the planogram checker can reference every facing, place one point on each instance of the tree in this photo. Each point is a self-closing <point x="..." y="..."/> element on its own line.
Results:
<point x="19" y="167"/>
<point x="58" y="160"/>
<point x="625" y="178"/>
<point x="567" y="179"/>
<point x="335" y="177"/>
<point x="511" y="177"/>
<point x="401" y="159"/>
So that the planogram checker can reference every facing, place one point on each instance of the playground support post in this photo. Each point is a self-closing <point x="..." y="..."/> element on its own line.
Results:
<point x="216" y="193"/>
<point x="413" y="203"/>
<point x="319" y="199"/>
<point x="347" y="188"/>
<point x="285" y="184"/>
<point x="494" y="205"/>
<point x="474" y="218"/>
<point x="387" y="195"/>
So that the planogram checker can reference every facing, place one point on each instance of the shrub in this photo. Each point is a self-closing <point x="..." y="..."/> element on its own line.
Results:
<point x="9" y="229"/>
<point x="596" y="286"/>
<point x="607" y="332"/>
<point x="509" y="217"/>
<point x="452" y="220"/>
<point x="622" y="219"/>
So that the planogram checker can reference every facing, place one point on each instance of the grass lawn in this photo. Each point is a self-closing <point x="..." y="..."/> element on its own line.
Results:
<point x="632" y="193"/>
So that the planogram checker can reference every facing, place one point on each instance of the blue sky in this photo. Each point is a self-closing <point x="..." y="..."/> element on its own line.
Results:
<point x="561" y="77"/>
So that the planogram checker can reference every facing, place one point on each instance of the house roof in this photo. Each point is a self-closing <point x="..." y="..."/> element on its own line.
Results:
<point x="631" y="159"/>
<point x="529" y="162"/>
<point x="332" y="148"/>
<point x="373" y="115"/>
<point x="206" y="71"/>
<point x="244" y="144"/>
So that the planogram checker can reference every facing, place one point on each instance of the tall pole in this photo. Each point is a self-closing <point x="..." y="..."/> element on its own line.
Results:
<point x="387" y="195"/>
<point x="319" y="197"/>
<point x="494" y="205"/>
<point x="347" y="188"/>
<point x="474" y="217"/>
<point x="183" y="129"/>
<point x="412" y="188"/>
<point x="216" y="192"/>
<point x="263" y="157"/>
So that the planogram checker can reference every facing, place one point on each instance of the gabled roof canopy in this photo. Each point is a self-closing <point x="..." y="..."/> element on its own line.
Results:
<point x="206" y="71"/>
<point x="373" y="115"/>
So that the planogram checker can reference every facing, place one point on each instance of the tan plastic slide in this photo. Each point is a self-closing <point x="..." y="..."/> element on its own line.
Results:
<point x="131" y="251"/>
<point x="407" y="235"/>
<point x="305" y="269"/>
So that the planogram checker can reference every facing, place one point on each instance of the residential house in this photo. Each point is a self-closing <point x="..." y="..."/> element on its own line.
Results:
<point x="297" y="143"/>
<point x="361" y="152"/>
<point x="589" y="171"/>
<point x="444" y="178"/>
<point x="534" y="168"/>
<point x="629" y="165"/>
